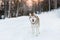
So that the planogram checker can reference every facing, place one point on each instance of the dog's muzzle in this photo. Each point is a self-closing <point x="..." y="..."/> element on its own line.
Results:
<point x="32" y="20"/>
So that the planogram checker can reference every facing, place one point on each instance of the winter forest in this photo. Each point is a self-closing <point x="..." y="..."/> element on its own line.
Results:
<point x="15" y="8"/>
<point x="17" y="24"/>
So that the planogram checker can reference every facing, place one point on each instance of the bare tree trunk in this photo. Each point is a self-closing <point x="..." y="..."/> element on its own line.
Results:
<point x="49" y="5"/>
<point x="9" y="14"/>
<point x="55" y="4"/>
<point x="5" y="8"/>
<point x="17" y="12"/>
<point x="17" y="8"/>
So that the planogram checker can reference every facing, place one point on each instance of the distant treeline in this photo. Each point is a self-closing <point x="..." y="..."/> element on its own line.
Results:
<point x="15" y="8"/>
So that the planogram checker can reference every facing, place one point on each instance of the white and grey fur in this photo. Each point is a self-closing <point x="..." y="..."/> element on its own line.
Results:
<point x="35" y="23"/>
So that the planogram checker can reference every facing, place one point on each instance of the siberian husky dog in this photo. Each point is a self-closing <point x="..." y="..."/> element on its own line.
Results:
<point x="35" y="23"/>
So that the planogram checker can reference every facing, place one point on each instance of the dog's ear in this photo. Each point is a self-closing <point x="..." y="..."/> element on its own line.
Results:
<point x="29" y="14"/>
<point x="34" y="13"/>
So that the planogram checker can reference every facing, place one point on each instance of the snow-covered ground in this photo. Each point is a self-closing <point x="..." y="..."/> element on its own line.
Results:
<point x="19" y="28"/>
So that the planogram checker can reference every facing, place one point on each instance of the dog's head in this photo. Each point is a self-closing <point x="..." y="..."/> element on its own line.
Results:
<point x="32" y="18"/>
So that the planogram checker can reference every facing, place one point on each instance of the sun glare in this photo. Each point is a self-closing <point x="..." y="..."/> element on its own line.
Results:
<point x="29" y="3"/>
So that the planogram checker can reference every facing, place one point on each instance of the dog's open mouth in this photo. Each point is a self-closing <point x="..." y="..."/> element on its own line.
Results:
<point x="32" y="20"/>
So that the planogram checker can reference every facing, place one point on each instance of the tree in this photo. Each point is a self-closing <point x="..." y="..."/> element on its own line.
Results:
<point x="6" y="4"/>
<point x="9" y="14"/>
<point x="49" y="5"/>
<point x="55" y="3"/>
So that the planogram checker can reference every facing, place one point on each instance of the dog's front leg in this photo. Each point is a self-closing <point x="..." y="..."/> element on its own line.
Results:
<point x="33" y="31"/>
<point x="37" y="30"/>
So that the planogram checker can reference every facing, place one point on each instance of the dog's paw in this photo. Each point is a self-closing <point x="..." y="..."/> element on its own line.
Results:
<point x="36" y="35"/>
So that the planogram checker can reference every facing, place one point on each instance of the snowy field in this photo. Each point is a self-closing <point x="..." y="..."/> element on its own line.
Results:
<point x="19" y="28"/>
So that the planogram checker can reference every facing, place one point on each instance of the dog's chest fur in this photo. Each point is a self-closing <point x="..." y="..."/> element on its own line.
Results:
<point x="37" y="20"/>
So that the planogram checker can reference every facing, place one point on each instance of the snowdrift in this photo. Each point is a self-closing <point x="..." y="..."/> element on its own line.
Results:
<point x="19" y="28"/>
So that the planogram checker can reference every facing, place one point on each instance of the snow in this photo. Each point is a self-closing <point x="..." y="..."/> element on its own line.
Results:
<point x="20" y="29"/>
